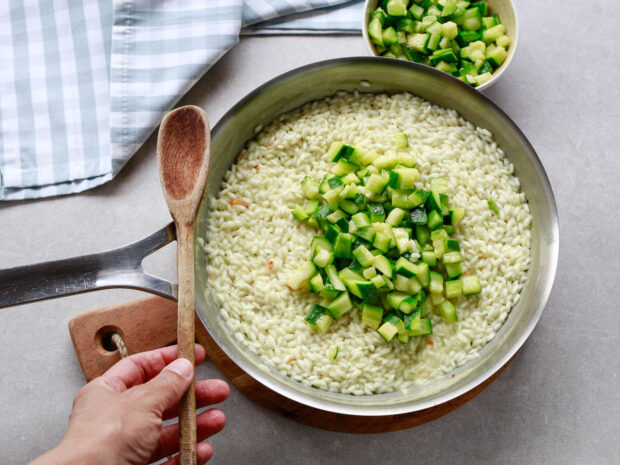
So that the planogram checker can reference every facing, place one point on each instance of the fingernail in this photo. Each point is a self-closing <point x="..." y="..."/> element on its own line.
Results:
<point x="182" y="367"/>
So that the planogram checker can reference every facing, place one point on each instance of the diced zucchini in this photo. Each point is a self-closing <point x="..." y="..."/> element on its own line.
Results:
<point x="322" y="258"/>
<point x="376" y="183"/>
<point x="429" y="257"/>
<point x="493" y="33"/>
<point x="403" y="242"/>
<point x="361" y="219"/>
<point x="363" y="255"/>
<point x="437" y="299"/>
<point x="454" y="270"/>
<point x="367" y="233"/>
<point x="472" y="20"/>
<point x="300" y="213"/>
<point x="422" y="234"/>
<point x="482" y="6"/>
<point x="369" y="272"/>
<point x="406" y="199"/>
<point x="349" y="207"/>
<point x="408" y="305"/>
<point x="367" y="209"/>
<point x="426" y="307"/>
<point x="410" y="286"/>
<point x="377" y="213"/>
<point x="452" y="257"/>
<point x="318" y="318"/>
<point x="416" y="11"/>
<point x="496" y="55"/>
<point x="403" y="178"/>
<point x="320" y="242"/>
<point x="405" y="25"/>
<point x="424" y="275"/>
<point x="471" y="285"/>
<point x="379" y="281"/>
<point x="425" y="328"/>
<point x="301" y="276"/>
<point x="448" y="311"/>
<point x="387" y="331"/>
<point x="453" y="288"/>
<point x="344" y="167"/>
<point x="394" y="299"/>
<point x="389" y="36"/>
<point x="332" y="275"/>
<point x="396" y="216"/>
<point x="382" y="242"/>
<point x="339" y="150"/>
<point x="483" y="78"/>
<point x="396" y="7"/>
<point x="310" y="187"/>
<point x="405" y="267"/>
<point x="340" y="305"/>
<point x="418" y="42"/>
<point x="375" y="32"/>
<point x="452" y="246"/>
<point x="449" y="30"/>
<point x="328" y="292"/>
<point x="372" y="315"/>
<point x="311" y="206"/>
<point x="380" y="14"/>
<point x="446" y="55"/>
<point x="436" y="284"/>
<point x="434" y="219"/>
<point x="503" y="41"/>
<point x="384" y="265"/>
<point x="342" y="246"/>
<point x="316" y="283"/>
<point x="466" y="37"/>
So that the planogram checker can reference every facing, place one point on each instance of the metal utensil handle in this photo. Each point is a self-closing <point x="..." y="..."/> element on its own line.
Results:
<point x="120" y="267"/>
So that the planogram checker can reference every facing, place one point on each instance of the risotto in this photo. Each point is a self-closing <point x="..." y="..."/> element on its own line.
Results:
<point x="253" y="242"/>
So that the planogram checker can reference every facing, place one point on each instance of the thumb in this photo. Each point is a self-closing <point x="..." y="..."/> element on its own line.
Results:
<point x="166" y="389"/>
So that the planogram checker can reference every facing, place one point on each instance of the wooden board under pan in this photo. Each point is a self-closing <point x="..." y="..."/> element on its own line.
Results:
<point x="150" y="323"/>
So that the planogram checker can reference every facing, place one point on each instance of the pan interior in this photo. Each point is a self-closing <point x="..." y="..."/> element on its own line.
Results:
<point x="377" y="75"/>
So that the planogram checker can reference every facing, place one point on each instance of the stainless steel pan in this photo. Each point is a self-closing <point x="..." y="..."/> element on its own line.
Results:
<point x="122" y="267"/>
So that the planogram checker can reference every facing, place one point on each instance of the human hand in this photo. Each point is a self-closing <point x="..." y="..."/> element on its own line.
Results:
<point x="118" y="417"/>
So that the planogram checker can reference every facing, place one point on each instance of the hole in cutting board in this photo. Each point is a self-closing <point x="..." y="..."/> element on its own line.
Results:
<point x="103" y="339"/>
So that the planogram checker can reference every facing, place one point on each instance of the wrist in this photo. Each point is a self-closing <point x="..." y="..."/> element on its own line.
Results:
<point x="64" y="454"/>
<point x="68" y="453"/>
<point x="78" y="451"/>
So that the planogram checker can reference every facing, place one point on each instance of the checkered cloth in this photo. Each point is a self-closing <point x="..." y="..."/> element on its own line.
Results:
<point x="83" y="83"/>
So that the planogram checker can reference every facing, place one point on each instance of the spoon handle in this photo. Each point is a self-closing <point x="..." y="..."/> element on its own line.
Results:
<point x="185" y="339"/>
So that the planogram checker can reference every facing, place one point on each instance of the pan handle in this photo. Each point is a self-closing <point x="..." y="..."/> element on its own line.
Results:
<point x="120" y="267"/>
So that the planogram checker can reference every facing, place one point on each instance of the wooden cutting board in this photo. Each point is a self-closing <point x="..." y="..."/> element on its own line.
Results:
<point x="150" y="323"/>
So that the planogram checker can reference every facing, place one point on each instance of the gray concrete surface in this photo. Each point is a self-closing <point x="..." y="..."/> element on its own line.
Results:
<point x="559" y="401"/>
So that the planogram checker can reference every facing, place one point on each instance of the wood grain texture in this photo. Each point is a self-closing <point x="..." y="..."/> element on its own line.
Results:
<point x="132" y="318"/>
<point x="183" y="150"/>
<point x="186" y="337"/>
<point x="144" y="324"/>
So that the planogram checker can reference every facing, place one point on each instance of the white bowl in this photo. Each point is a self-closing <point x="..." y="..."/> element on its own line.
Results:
<point x="507" y="14"/>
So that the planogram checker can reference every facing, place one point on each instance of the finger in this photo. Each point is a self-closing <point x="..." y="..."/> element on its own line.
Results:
<point x="166" y="389"/>
<point x="140" y="368"/>
<point x="207" y="424"/>
<point x="204" y="452"/>
<point x="208" y="392"/>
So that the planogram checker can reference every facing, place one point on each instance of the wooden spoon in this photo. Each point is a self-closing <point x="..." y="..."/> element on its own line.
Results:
<point x="183" y="146"/>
